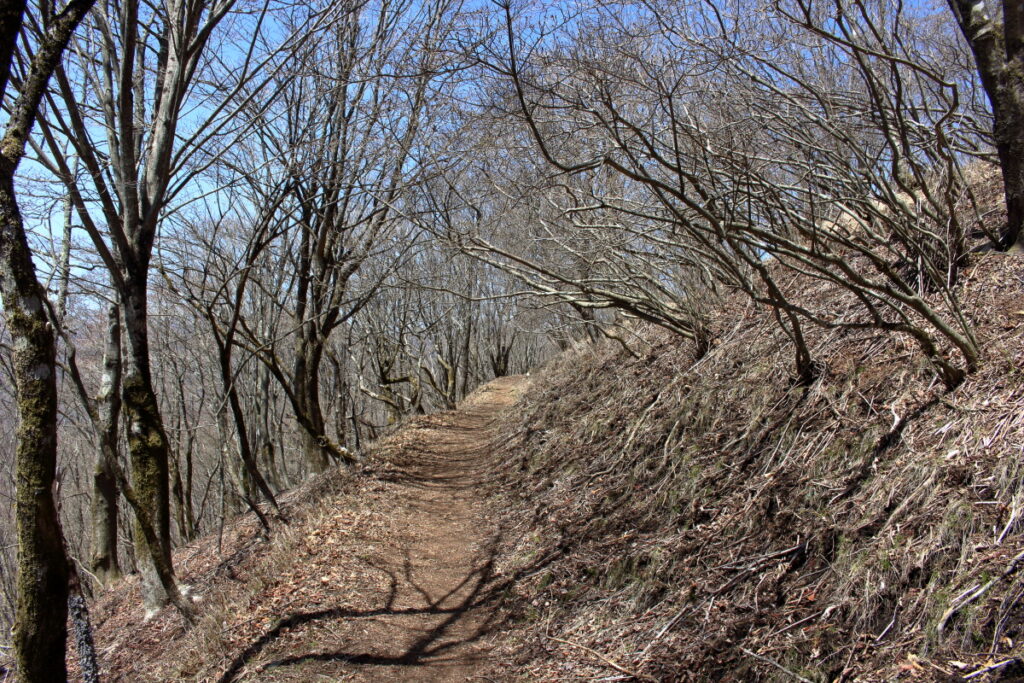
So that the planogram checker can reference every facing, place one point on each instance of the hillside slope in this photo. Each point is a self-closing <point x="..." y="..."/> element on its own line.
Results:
<point x="381" y="575"/>
<point x="709" y="519"/>
<point x="650" y="516"/>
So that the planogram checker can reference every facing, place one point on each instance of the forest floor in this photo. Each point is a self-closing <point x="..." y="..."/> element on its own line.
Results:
<point x="389" y="579"/>
<point x="651" y="516"/>
<point x="434" y="616"/>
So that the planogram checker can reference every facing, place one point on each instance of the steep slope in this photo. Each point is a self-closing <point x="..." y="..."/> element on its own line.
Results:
<point x="708" y="519"/>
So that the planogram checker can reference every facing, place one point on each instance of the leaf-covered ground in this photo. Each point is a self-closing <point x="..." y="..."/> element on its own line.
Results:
<point x="711" y="519"/>
<point x="652" y="516"/>
<point x="382" y="575"/>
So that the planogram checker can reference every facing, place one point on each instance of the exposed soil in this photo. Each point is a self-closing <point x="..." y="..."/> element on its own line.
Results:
<point x="382" y="576"/>
<point x="656" y="517"/>
<point x="434" y="615"/>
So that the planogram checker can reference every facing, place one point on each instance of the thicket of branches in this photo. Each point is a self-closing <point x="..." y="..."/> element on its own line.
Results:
<point x="694" y="149"/>
<point x="240" y="240"/>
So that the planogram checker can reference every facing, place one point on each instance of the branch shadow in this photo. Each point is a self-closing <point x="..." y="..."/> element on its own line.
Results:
<point x="486" y="590"/>
<point x="469" y="607"/>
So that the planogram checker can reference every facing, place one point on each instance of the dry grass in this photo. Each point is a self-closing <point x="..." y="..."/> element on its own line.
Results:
<point x="667" y="517"/>
<point x="243" y="587"/>
<point x="709" y="515"/>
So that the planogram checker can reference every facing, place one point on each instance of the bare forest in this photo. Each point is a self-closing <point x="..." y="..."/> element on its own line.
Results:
<point x="242" y="241"/>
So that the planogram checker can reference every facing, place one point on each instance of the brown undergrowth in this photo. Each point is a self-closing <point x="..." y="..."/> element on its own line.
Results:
<point x="713" y="520"/>
<point x="648" y="515"/>
<point x="382" y="574"/>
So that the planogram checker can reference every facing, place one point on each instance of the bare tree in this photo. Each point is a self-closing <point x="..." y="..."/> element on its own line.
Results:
<point x="216" y="287"/>
<point x="40" y="629"/>
<point x="103" y="411"/>
<point x="347" y="125"/>
<point x="139" y="65"/>
<point x="690" y="138"/>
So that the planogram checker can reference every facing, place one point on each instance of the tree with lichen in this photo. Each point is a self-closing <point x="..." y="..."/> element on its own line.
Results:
<point x="103" y="411"/>
<point x="40" y="630"/>
<point x="118" y="105"/>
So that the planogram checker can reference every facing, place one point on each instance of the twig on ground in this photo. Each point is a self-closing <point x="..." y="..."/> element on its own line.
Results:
<point x="881" y="635"/>
<point x="795" y="624"/>
<point x="776" y="665"/>
<point x="978" y="592"/>
<point x="760" y="563"/>
<point x="664" y="629"/>
<point x="991" y="667"/>
<point x="610" y="662"/>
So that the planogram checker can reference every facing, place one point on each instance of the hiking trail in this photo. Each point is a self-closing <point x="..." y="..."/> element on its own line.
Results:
<point x="428" y="619"/>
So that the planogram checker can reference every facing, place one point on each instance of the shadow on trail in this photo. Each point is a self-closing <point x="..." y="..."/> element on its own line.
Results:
<point x="426" y="646"/>
<point x="433" y="603"/>
<point x="487" y="591"/>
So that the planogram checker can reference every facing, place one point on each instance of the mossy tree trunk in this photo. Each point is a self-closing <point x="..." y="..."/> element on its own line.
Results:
<point x="157" y="51"/>
<point x="147" y="442"/>
<point x="104" y="563"/>
<point x="40" y="627"/>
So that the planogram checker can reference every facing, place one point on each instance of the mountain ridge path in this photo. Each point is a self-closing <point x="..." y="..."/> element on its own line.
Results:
<point x="430" y="614"/>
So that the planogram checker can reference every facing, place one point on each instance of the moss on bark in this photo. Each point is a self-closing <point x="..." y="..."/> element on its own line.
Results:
<point x="147" y="446"/>
<point x="40" y="630"/>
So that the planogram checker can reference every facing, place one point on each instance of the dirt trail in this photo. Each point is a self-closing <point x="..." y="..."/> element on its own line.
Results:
<point x="382" y="576"/>
<point x="443" y="561"/>
<point x="422" y="611"/>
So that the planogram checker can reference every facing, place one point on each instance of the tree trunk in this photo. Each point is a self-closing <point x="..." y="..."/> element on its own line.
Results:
<point x="1009" y="134"/>
<point x="147" y="442"/>
<point x="467" y="350"/>
<point x="249" y="475"/>
<point x="998" y="48"/>
<point x="105" y="492"/>
<point x="104" y="564"/>
<point x="182" y="496"/>
<point x="307" y="390"/>
<point x="78" y="610"/>
<point x="40" y="623"/>
<point x="40" y="627"/>
<point x="181" y="472"/>
<point x="263" y="443"/>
